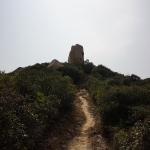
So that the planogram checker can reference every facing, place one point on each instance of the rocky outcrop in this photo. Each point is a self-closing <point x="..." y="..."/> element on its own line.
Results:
<point x="76" y="55"/>
<point x="55" y="64"/>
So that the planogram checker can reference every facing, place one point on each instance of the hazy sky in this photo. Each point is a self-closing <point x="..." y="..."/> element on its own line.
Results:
<point x="115" y="33"/>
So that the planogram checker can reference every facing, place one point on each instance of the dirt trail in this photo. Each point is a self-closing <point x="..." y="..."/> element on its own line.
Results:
<point x="83" y="142"/>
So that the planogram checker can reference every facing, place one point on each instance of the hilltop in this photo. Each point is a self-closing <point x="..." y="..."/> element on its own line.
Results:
<point x="44" y="107"/>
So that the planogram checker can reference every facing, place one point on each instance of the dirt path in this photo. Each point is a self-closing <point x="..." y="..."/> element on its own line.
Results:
<point x="83" y="142"/>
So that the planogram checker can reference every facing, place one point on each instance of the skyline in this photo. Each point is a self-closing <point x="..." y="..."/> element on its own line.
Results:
<point x="113" y="33"/>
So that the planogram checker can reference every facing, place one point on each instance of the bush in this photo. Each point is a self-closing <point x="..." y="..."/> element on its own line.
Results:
<point x="62" y="87"/>
<point x="137" y="138"/>
<point x="124" y="107"/>
<point x="124" y="110"/>
<point x="114" y="82"/>
<point x="72" y="71"/>
<point x="103" y="71"/>
<point x="88" y="67"/>
<point x="115" y="104"/>
<point x="30" y="102"/>
<point x="13" y="135"/>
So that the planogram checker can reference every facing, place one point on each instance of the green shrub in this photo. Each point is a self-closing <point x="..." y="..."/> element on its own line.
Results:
<point x="30" y="102"/>
<point x="124" y="107"/>
<point x="103" y="71"/>
<point x="114" y="82"/>
<point x="127" y="81"/>
<point x="115" y="104"/>
<point x="136" y="138"/>
<point x="88" y="67"/>
<point x="93" y="84"/>
<point x="72" y="71"/>
<point x="12" y="130"/>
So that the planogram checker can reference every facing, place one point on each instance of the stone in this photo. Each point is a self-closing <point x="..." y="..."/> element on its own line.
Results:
<point x="55" y="64"/>
<point x="76" y="55"/>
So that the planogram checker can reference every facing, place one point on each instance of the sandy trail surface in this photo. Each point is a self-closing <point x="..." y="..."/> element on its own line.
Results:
<point x="90" y="137"/>
<point x="83" y="142"/>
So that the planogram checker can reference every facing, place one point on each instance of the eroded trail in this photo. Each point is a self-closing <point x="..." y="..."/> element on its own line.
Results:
<point x="82" y="142"/>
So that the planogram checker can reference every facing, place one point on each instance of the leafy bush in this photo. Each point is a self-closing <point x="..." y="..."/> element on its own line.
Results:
<point x="115" y="104"/>
<point x="12" y="130"/>
<point x="88" y="67"/>
<point x="127" y="81"/>
<point x="114" y="82"/>
<point x="134" y="77"/>
<point x="30" y="102"/>
<point x="137" y="138"/>
<point x="124" y="110"/>
<point x="93" y="84"/>
<point x="103" y="71"/>
<point x="72" y="71"/>
<point x="62" y="87"/>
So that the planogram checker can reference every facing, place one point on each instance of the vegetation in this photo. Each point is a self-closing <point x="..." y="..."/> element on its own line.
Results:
<point x="124" y="106"/>
<point x="88" y="67"/>
<point x="30" y="102"/>
<point x="73" y="71"/>
<point x="32" y="99"/>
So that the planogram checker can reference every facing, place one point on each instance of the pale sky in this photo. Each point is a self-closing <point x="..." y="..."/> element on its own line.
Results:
<point x="114" y="33"/>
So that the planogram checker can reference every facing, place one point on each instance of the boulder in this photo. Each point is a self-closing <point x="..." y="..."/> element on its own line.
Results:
<point x="55" y="64"/>
<point x="76" y="55"/>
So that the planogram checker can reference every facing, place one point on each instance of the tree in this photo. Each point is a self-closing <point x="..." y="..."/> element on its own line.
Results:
<point x="88" y="67"/>
<point x="103" y="71"/>
<point x="134" y="77"/>
<point x="72" y="71"/>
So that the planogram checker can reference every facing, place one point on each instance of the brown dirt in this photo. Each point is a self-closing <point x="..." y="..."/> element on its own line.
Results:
<point x="90" y="137"/>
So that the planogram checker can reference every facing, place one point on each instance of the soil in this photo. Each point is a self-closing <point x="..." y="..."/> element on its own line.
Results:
<point x="90" y="137"/>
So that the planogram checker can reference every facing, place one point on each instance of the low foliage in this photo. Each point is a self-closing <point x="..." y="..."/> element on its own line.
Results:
<point x="30" y="101"/>
<point x="88" y="67"/>
<point x="103" y="71"/>
<point x="124" y="106"/>
<point x="73" y="71"/>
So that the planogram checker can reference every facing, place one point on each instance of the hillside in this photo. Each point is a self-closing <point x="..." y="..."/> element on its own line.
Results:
<point x="40" y="109"/>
